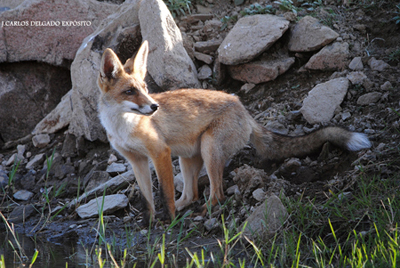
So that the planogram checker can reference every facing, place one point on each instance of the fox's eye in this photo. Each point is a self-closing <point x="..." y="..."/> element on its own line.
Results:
<point x="130" y="92"/>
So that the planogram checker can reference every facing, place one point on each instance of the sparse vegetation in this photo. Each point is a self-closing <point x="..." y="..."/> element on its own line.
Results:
<point x="396" y="18"/>
<point x="179" y="7"/>
<point x="287" y="5"/>
<point x="258" y="9"/>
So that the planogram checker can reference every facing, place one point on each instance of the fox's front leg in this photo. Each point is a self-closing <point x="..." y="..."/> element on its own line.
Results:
<point x="140" y="166"/>
<point x="163" y="164"/>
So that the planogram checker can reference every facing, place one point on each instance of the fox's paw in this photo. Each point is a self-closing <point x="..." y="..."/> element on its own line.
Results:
<point x="182" y="202"/>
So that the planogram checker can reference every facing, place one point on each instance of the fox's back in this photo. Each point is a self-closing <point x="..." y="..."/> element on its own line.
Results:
<point x="187" y="113"/>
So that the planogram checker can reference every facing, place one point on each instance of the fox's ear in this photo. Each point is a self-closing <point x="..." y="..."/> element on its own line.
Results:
<point x="140" y="62"/>
<point x="111" y="66"/>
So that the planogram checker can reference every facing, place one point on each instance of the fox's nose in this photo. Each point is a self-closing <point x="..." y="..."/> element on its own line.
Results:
<point x="154" y="106"/>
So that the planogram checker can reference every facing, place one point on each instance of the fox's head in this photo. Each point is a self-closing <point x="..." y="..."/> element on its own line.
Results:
<point x="124" y="84"/>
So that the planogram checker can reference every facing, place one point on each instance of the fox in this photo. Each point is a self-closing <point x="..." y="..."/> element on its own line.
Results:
<point x="201" y="127"/>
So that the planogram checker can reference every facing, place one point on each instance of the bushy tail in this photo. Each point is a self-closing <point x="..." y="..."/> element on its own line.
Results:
<point x="275" y="146"/>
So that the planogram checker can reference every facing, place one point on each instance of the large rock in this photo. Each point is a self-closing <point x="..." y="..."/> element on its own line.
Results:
<point x="9" y="4"/>
<point x="322" y="101"/>
<point x="260" y="71"/>
<point x="168" y="62"/>
<point x="331" y="57"/>
<point x="266" y="219"/>
<point x="121" y="32"/>
<point x="28" y="91"/>
<point x="251" y="36"/>
<point x="50" y="31"/>
<point x="310" y="35"/>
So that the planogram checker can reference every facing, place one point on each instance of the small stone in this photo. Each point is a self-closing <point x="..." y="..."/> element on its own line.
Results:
<point x="211" y="224"/>
<point x="277" y="127"/>
<point x="203" y="57"/>
<point x="23" y="195"/>
<point x="111" y="204"/>
<point x="204" y="72"/>
<point x="178" y="182"/>
<point x="377" y="65"/>
<point x="231" y="190"/>
<point x="247" y="87"/>
<point x="207" y="46"/>
<point x="12" y="160"/>
<point x="112" y="159"/>
<point x="3" y="179"/>
<point x="259" y="195"/>
<point x="37" y="160"/>
<point x="369" y="98"/>
<point x="357" y="78"/>
<point x="116" y="168"/>
<point x="266" y="219"/>
<point x="198" y="218"/>
<point x="41" y="140"/>
<point x="356" y="64"/>
<point x="21" y="151"/>
<point x="386" y="86"/>
<point x="345" y="116"/>
<point x="21" y="213"/>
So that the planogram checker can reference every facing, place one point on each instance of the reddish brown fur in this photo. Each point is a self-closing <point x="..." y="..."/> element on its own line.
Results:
<point x="200" y="126"/>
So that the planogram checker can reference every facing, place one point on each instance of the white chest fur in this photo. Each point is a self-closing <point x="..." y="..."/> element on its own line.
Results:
<point x="121" y="127"/>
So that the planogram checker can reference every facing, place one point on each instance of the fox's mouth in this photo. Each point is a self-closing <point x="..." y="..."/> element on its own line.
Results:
<point x="146" y="110"/>
<point x="143" y="113"/>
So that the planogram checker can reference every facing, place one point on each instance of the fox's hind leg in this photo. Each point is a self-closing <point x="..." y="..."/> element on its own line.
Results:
<point x="223" y="139"/>
<point x="190" y="170"/>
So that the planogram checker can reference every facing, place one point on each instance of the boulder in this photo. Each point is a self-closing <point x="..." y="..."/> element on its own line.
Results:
<point x="322" y="101"/>
<point x="50" y="31"/>
<point x="331" y="57"/>
<point x="168" y="62"/>
<point x="310" y="35"/>
<point x="261" y="71"/>
<point x="28" y="91"/>
<point x="250" y="37"/>
<point x="121" y="32"/>
<point x="10" y="4"/>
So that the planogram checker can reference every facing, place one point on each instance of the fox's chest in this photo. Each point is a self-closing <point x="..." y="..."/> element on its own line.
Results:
<point x="121" y="131"/>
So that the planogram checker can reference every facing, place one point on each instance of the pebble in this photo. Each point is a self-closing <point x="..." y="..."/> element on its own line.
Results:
<point x="23" y="195"/>
<point x="41" y="140"/>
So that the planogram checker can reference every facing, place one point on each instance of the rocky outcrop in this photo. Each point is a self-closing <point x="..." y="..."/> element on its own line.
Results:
<point x="28" y="91"/>
<point x="168" y="62"/>
<point x="121" y="32"/>
<point x="49" y="31"/>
